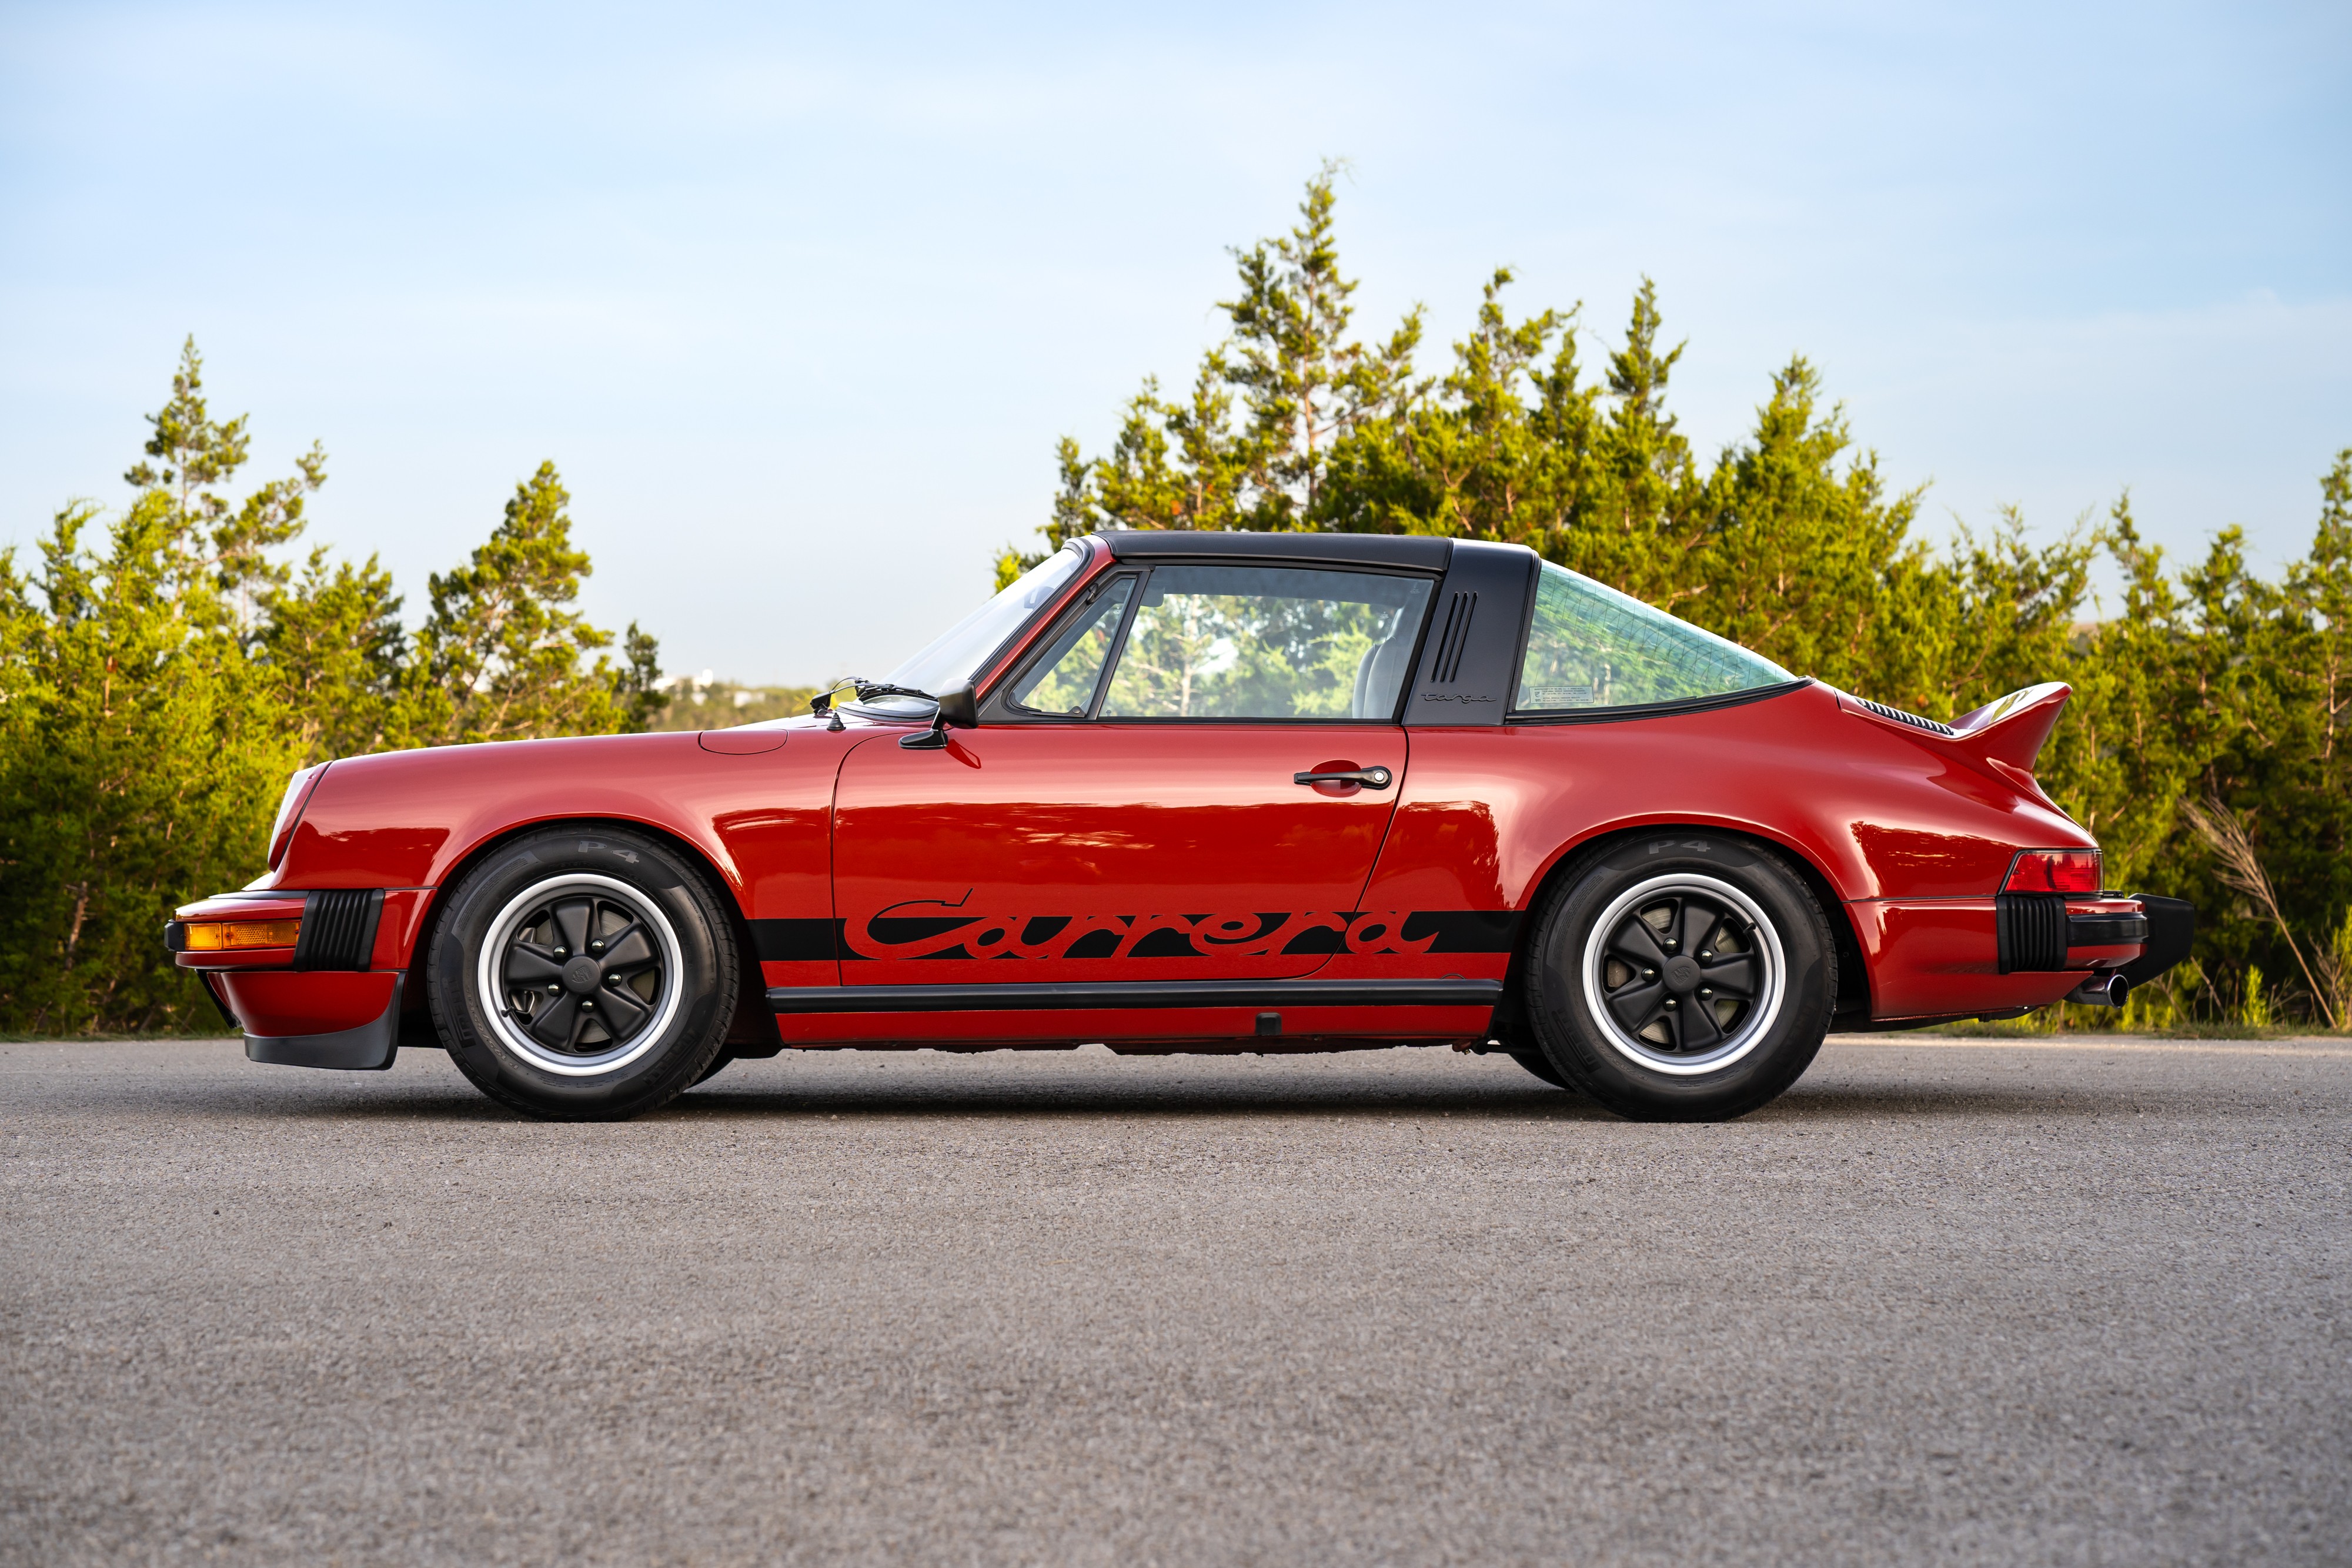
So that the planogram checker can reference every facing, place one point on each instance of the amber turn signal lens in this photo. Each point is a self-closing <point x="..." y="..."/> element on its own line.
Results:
<point x="225" y="936"/>
<point x="2054" y="871"/>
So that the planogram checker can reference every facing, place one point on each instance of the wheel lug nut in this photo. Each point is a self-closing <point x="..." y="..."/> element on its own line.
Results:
<point x="554" y="988"/>
<point x="1649" y="974"/>
<point x="595" y="947"/>
<point x="558" y="952"/>
<point x="1704" y="991"/>
<point x="1670" y="1001"/>
<point x="1703" y="955"/>
<point x="587" y="1006"/>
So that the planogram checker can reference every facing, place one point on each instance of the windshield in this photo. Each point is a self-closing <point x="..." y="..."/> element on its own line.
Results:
<point x="954" y="657"/>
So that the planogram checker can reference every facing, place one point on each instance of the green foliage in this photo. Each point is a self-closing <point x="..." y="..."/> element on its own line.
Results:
<point x="2207" y="684"/>
<point x="504" y="652"/>
<point x="156" y="691"/>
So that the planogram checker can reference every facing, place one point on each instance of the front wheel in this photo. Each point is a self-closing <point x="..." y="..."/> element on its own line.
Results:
<point x="582" y="975"/>
<point x="1682" y="978"/>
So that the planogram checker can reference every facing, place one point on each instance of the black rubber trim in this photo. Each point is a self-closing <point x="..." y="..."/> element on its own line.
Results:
<point x="1143" y="993"/>
<point x="175" y="937"/>
<point x="2028" y="932"/>
<point x="369" y="1048"/>
<point x="1655" y="710"/>
<point x="2104" y="930"/>
<point x="338" y="928"/>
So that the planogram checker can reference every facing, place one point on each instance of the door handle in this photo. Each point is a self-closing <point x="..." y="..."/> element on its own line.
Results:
<point x="1370" y="778"/>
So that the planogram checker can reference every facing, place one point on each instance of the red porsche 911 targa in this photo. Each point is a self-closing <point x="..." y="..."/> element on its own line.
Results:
<point x="1204" y="792"/>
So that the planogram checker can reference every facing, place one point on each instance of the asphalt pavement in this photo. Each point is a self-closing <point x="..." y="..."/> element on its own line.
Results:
<point x="1963" y="1301"/>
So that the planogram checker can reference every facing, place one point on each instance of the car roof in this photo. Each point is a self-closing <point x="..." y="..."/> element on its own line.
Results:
<point x="1414" y="550"/>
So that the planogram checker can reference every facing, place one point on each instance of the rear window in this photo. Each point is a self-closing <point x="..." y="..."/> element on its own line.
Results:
<point x="1589" y="646"/>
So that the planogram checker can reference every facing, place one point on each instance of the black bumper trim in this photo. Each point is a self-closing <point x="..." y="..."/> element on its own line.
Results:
<point x="2104" y="930"/>
<point x="369" y="1048"/>
<point x="1143" y="993"/>
<point x="2171" y="932"/>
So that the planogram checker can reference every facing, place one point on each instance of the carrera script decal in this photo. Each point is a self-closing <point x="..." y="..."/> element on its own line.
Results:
<point x="931" y="928"/>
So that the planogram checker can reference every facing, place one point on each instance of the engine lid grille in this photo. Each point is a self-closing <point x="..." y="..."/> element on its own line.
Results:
<point x="1913" y="719"/>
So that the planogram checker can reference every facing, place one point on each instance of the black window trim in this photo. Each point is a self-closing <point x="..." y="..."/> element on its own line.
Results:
<point x="1073" y="610"/>
<point x="1626" y="711"/>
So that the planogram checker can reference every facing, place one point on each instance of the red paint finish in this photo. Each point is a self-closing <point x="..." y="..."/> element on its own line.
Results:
<point x="308" y="1001"/>
<point x="1486" y="812"/>
<point x="1108" y="851"/>
<point x="409" y="818"/>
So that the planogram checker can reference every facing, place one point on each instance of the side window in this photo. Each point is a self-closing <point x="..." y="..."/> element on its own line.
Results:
<point x="1249" y="642"/>
<point x="1590" y="646"/>
<point x="1064" y="678"/>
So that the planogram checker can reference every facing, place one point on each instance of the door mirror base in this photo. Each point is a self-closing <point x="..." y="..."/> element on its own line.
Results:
<point x="959" y="707"/>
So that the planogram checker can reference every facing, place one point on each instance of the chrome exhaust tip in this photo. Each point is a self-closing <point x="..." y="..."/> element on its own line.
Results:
<point x="2107" y="989"/>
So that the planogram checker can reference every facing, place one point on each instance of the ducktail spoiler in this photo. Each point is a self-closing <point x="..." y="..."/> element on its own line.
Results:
<point x="2007" y="732"/>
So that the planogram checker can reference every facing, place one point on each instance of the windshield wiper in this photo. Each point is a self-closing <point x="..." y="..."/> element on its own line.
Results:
<point x="865" y="691"/>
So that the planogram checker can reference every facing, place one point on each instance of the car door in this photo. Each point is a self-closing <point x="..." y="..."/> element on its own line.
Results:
<point x="1190" y="780"/>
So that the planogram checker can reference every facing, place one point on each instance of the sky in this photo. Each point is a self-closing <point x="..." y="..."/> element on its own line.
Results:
<point x="799" y="299"/>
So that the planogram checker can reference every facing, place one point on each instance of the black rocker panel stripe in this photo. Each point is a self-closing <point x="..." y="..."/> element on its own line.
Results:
<point x="1015" y="996"/>
<point x="817" y="941"/>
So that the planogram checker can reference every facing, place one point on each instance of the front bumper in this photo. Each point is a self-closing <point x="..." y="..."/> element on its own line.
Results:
<point x="334" y="999"/>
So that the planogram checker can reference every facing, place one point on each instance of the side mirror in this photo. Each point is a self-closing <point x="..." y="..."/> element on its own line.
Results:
<point x="959" y="708"/>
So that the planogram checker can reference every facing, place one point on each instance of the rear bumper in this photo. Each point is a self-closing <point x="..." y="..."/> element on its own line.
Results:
<point x="1962" y="956"/>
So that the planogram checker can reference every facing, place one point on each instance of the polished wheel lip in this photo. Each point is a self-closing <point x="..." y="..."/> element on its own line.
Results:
<point x="1760" y="1017"/>
<point x="491" y="989"/>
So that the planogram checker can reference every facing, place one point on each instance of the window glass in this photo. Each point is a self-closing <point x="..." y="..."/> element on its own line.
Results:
<point x="1063" y="680"/>
<point x="1249" y="642"/>
<point x="954" y="658"/>
<point x="1591" y="646"/>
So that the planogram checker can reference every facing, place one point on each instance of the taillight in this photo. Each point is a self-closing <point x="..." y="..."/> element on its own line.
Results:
<point x="228" y="935"/>
<point x="2053" y="871"/>
<point x="290" y="811"/>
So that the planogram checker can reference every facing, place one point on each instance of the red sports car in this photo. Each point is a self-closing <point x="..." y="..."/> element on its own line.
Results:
<point x="1204" y="792"/>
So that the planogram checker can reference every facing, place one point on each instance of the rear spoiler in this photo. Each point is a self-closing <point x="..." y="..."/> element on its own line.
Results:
<point x="2006" y="733"/>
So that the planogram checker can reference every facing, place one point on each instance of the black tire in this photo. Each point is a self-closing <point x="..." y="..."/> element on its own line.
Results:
<point x="1724" y="1009"/>
<point x="662" y="971"/>
<point x="718" y="1065"/>
<point x="1534" y="1063"/>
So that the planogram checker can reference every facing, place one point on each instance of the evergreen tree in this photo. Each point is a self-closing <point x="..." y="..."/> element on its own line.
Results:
<point x="504" y="649"/>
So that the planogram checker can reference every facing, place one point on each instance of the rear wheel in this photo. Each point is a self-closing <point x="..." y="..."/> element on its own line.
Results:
<point x="1683" y="978"/>
<point x="582" y="975"/>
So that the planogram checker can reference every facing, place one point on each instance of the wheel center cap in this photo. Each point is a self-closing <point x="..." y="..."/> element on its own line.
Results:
<point x="580" y="974"/>
<point x="1682" y="973"/>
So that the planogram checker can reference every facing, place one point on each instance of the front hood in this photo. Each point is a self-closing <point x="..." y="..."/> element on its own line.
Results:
<point x="405" y="819"/>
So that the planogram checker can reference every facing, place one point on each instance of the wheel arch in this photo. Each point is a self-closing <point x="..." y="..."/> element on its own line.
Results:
<point x="753" y="1024"/>
<point x="1854" y="975"/>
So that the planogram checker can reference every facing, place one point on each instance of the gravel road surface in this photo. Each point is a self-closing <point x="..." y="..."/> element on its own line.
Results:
<point x="1966" y="1302"/>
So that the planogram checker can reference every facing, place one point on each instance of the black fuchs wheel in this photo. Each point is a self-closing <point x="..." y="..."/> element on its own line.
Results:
<point x="1533" y="1061"/>
<point x="582" y="975"/>
<point x="1682" y="976"/>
